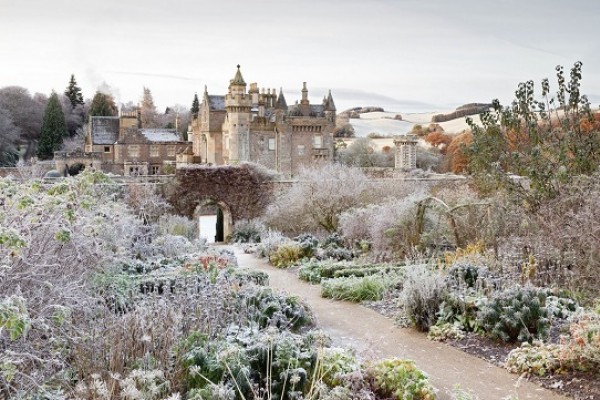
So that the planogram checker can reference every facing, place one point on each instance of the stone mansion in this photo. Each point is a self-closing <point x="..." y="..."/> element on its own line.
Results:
<point x="248" y="124"/>
<point x="244" y="125"/>
<point x="257" y="125"/>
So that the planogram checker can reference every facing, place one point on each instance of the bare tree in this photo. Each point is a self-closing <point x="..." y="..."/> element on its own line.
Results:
<point x="26" y="113"/>
<point x="319" y="196"/>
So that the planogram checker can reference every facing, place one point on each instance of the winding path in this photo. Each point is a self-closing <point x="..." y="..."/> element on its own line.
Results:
<point x="373" y="335"/>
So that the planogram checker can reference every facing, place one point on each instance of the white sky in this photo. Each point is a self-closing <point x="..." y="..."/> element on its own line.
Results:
<point x="404" y="55"/>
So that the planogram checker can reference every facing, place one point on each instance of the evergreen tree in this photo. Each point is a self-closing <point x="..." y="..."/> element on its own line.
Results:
<point x="73" y="92"/>
<point x="195" y="106"/>
<point x="103" y="105"/>
<point x="149" y="114"/>
<point x="54" y="128"/>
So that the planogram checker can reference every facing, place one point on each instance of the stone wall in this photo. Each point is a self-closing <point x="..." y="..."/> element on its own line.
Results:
<point x="245" y="189"/>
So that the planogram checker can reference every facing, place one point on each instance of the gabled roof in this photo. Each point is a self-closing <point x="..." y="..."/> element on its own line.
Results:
<point x="161" y="135"/>
<point x="105" y="130"/>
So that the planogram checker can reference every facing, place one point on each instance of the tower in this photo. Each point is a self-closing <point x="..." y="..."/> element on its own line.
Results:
<point x="406" y="152"/>
<point x="238" y="104"/>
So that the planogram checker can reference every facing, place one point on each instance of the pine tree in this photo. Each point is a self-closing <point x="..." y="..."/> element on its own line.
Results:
<point x="73" y="92"/>
<point x="149" y="114"/>
<point x="54" y="128"/>
<point x="103" y="105"/>
<point x="195" y="106"/>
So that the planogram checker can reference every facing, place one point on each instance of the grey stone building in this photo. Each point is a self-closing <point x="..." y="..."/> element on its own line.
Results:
<point x="257" y="125"/>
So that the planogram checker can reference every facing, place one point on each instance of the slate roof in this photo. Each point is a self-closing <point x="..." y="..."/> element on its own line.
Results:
<point x="315" y="111"/>
<point x="281" y="103"/>
<point x="105" y="130"/>
<point x="216" y="103"/>
<point x="161" y="135"/>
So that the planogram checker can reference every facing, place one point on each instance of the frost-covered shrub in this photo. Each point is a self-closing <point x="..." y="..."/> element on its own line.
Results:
<point x="270" y="242"/>
<point x="463" y="275"/>
<point x="581" y="350"/>
<point x="561" y="307"/>
<point x="248" y="231"/>
<point x="534" y="358"/>
<point x="515" y="314"/>
<point x="53" y="238"/>
<point x="445" y="331"/>
<point x="400" y="379"/>
<point x="318" y="197"/>
<point x="460" y="308"/>
<point x="308" y="244"/>
<point x="310" y="272"/>
<point x="335" y="363"/>
<point x="177" y="225"/>
<point x="389" y="227"/>
<point x="356" y="289"/>
<point x="173" y="246"/>
<point x="285" y="256"/>
<point x="275" y="362"/>
<point x="334" y="248"/>
<point x="422" y="294"/>
<point x="270" y="309"/>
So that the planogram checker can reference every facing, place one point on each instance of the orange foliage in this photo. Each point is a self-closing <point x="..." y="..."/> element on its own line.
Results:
<point x="439" y="140"/>
<point x="456" y="155"/>
<point x="588" y="126"/>
<point x="517" y="139"/>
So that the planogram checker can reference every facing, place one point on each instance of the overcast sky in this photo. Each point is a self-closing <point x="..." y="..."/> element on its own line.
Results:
<point x="403" y="55"/>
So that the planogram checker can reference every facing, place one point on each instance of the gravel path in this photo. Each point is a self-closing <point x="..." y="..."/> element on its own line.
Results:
<point x="373" y="335"/>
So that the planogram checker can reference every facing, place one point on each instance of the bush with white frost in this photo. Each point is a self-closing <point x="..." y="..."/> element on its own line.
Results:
<point x="422" y="294"/>
<point x="315" y="201"/>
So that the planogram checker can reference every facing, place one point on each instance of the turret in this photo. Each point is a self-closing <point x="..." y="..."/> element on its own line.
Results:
<point x="281" y="104"/>
<point x="329" y="104"/>
<point x="238" y="105"/>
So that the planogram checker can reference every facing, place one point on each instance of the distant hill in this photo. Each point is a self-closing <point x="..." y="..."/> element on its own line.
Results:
<point x="356" y="111"/>
<point x="462" y="111"/>
<point x="372" y="120"/>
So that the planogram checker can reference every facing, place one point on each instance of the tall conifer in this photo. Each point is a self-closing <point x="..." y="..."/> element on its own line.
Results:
<point x="54" y="128"/>
<point x="195" y="106"/>
<point x="73" y="92"/>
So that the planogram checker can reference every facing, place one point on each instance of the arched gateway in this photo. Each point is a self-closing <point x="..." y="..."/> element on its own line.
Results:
<point x="240" y="192"/>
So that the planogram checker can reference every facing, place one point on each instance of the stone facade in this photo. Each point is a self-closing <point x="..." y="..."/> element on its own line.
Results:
<point x="406" y="152"/>
<point x="257" y="125"/>
<point x="120" y="145"/>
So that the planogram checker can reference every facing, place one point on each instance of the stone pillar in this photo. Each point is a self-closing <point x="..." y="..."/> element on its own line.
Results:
<point x="406" y="152"/>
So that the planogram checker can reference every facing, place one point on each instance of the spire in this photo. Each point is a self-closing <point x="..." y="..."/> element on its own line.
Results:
<point x="281" y="103"/>
<point x="329" y="104"/>
<point x="238" y="79"/>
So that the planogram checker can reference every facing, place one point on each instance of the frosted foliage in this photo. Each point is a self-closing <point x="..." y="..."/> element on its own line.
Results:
<point x="386" y="226"/>
<point x="54" y="240"/>
<point x="422" y="295"/>
<point x="177" y="225"/>
<point x="319" y="196"/>
<point x="270" y="242"/>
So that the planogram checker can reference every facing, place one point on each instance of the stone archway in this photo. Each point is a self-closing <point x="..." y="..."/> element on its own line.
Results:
<point x="241" y="192"/>
<point x="224" y="219"/>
